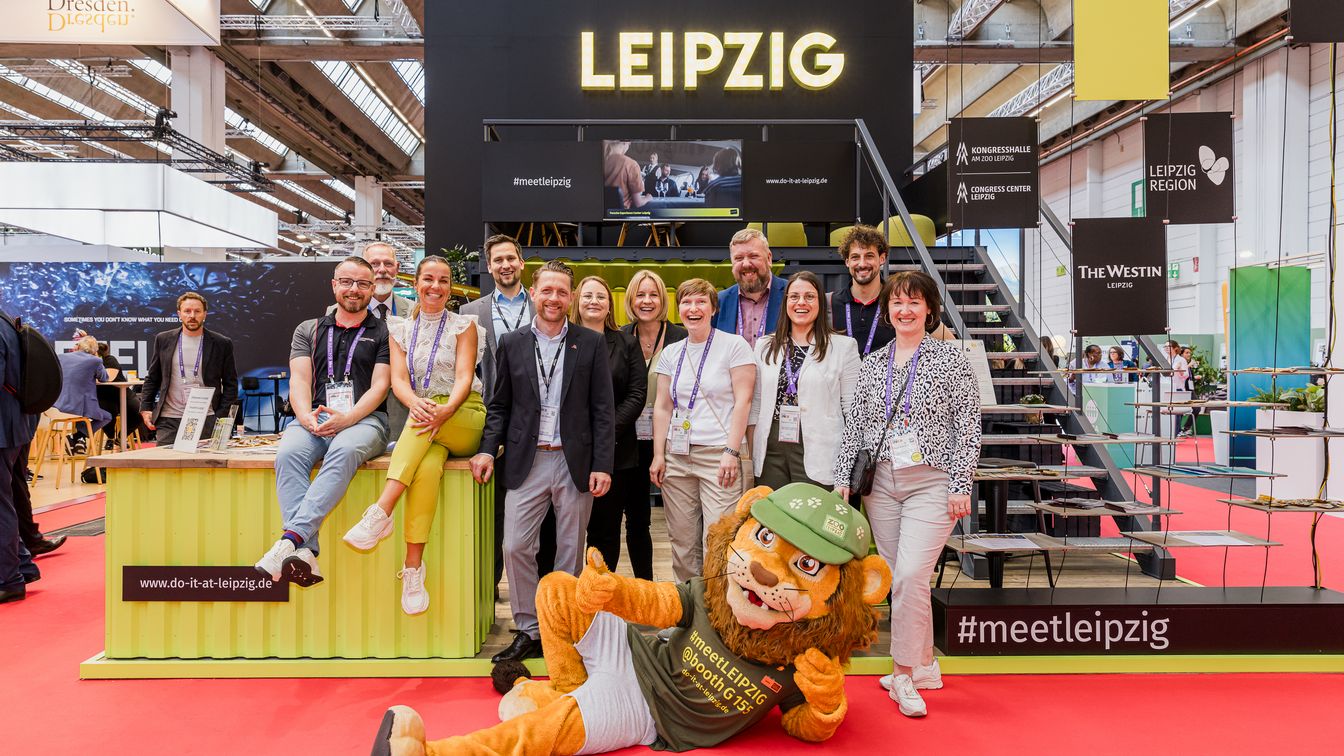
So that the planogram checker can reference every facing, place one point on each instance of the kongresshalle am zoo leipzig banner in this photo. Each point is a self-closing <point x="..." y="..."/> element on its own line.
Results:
<point x="125" y="303"/>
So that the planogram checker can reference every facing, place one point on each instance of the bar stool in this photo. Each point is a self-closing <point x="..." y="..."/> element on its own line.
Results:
<point x="55" y="443"/>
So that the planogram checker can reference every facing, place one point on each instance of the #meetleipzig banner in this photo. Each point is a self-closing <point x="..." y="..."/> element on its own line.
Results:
<point x="1119" y="276"/>
<point x="1188" y="167"/>
<point x="994" y="173"/>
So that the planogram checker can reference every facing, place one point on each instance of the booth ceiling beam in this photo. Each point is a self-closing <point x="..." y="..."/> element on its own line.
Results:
<point x="930" y="54"/>
<point x="969" y="16"/>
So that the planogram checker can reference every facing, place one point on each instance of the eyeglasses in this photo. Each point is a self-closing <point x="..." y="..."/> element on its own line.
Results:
<point x="808" y="297"/>
<point x="351" y="283"/>
<point x="384" y="264"/>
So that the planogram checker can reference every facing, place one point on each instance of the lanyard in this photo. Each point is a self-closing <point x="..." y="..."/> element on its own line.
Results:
<point x="872" y="330"/>
<point x="698" y="371"/>
<point x="349" y="354"/>
<point x="741" y="325"/>
<point x="433" y="350"/>
<point x="181" y="366"/>
<point x="546" y="377"/>
<point x="499" y="312"/>
<point x="662" y="330"/>
<point x="790" y="377"/>
<point x="909" y="381"/>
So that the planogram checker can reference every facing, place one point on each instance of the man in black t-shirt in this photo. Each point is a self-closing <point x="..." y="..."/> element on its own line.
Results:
<point x="339" y="377"/>
<point x="854" y="308"/>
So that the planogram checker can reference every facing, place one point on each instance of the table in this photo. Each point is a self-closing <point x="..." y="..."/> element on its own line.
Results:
<point x="122" y="388"/>
<point x="218" y="510"/>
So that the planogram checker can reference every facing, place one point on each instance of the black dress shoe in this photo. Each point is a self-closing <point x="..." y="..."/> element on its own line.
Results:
<point x="523" y="647"/>
<point x="17" y="593"/>
<point x="46" y="545"/>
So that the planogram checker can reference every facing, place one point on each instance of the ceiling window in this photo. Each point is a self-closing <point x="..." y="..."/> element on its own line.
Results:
<point x="363" y="95"/>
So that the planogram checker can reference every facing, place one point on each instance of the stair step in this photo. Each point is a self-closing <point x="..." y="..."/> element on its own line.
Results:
<point x="972" y="287"/>
<point x="1007" y="439"/>
<point x="982" y="307"/>
<point x="1035" y="380"/>
<point x="1014" y="356"/>
<point x="995" y="331"/>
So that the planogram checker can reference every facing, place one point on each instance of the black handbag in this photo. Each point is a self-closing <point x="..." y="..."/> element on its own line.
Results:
<point x="865" y="462"/>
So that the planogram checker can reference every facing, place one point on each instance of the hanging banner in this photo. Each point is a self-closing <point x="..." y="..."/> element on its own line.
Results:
<point x="1121" y="50"/>
<point x="1317" y="20"/>
<point x="1119" y="276"/>
<point x="112" y="22"/>
<point x="1188" y="167"/>
<point x="994" y="174"/>
<point x="542" y="182"/>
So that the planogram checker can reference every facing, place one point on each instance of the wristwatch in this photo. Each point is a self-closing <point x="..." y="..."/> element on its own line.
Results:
<point x="732" y="451"/>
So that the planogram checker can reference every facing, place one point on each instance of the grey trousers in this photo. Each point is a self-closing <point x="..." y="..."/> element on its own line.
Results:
<point x="547" y="485"/>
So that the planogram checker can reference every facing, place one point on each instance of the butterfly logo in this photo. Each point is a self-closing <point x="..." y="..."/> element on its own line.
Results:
<point x="1214" y="167"/>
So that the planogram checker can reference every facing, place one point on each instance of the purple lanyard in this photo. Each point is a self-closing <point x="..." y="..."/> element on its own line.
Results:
<point x="909" y="381"/>
<point x="698" y="371"/>
<point x="741" y="324"/>
<point x="181" y="366"/>
<point x="433" y="350"/>
<point x="872" y="330"/>
<point x="349" y="354"/>
<point x="790" y="377"/>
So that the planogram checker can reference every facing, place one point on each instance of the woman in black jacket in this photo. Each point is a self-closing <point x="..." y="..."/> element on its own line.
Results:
<point x="628" y="497"/>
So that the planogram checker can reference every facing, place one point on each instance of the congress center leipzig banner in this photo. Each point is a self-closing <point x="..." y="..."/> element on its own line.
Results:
<point x="994" y="173"/>
<point x="1188" y="171"/>
<point x="1119" y="276"/>
<point x="126" y="303"/>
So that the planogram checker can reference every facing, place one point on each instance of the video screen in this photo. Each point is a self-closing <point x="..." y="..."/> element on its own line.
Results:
<point x="672" y="180"/>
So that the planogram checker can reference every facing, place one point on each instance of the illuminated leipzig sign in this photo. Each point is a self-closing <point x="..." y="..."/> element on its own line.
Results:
<point x="703" y="53"/>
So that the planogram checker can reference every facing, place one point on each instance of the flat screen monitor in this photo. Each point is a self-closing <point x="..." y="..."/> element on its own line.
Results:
<point x="672" y="180"/>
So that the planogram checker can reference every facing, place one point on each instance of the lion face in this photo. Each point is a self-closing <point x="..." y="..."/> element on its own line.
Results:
<point x="772" y="581"/>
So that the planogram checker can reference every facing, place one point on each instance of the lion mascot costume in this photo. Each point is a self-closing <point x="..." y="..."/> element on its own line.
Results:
<point x="786" y="597"/>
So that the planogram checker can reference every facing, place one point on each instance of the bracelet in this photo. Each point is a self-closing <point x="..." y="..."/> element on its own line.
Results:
<point x="732" y="451"/>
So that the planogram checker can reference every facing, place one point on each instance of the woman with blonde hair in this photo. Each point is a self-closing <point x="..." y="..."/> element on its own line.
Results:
<point x="434" y="356"/>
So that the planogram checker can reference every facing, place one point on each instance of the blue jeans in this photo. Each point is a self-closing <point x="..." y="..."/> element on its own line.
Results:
<point x="305" y="503"/>
<point x="15" y="561"/>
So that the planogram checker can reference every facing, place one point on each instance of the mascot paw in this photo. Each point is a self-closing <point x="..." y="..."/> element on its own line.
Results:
<point x="402" y="733"/>
<point x="820" y="678"/>
<point x="526" y="697"/>
<point x="596" y="585"/>
<point x="506" y="673"/>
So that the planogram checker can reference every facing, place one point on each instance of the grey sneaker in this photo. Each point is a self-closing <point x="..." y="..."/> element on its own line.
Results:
<point x="373" y="527"/>
<point x="414" y="597"/>
<point x="906" y="697"/>
<point x="300" y="568"/>
<point x="272" y="563"/>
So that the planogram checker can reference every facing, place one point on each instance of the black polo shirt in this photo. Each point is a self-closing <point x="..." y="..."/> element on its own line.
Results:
<point x="310" y="340"/>
<point x="861" y="318"/>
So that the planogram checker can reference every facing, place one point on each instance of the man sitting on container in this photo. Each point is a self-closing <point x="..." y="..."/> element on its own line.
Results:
<point x="339" y="377"/>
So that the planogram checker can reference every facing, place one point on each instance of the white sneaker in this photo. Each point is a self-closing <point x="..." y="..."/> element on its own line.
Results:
<point x="301" y="568"/>
<point x="273" y="561"/>
<point x="373" y="527"/>
<point x="414" y="597"/>
<point x="906" y="697"/>
<point x="926" y="678"/>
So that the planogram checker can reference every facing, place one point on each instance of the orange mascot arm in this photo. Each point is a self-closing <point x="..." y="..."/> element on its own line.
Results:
<point x="822" y="682"/>
<point x="642" y="602"/>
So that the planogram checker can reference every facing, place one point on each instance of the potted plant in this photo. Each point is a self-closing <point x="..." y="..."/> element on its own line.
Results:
<point x="1037" y="418"/>
<point x="1302" y="460"/>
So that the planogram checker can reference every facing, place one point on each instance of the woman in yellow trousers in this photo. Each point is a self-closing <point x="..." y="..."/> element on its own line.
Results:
<point x="434" y="356"/>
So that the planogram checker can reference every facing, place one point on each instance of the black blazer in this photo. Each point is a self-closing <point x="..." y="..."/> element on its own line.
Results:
<point x="587" y="408"/>
<point x="217" y="370"/>
<point x="673" y="334"/>
<point x="629" y="383"/>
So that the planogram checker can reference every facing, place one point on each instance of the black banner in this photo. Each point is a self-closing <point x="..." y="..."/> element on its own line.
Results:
<point x="994" y="173"/>
<point x="542" y="182"/>
<point x="1069" y="621"/>
<point x="807" y="182"/>
<point x="1317" y="20"/>
<point x="1188" y="167"/>
<point x="1119" y="276"/>
<point x="194" y="583"/>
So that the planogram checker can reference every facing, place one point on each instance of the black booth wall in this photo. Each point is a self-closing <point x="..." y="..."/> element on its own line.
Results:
<point x="519" y="59"/>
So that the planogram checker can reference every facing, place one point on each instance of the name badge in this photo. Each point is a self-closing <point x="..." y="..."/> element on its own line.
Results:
<point x="790" y="424"/>
<point x="905" y="450"/>
<point x="341" y="396"/>
<point x="549" y="417"/>
<point x="644" y="425"/>
<point x="679" y="434"/>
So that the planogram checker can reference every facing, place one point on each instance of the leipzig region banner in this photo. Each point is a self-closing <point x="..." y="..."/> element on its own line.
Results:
<point x="994" y="176"/>
<point x="1119" y="276"/>
<point x="1317" y="20"/>
<point x="126" y="303"/>
<point x="1188" y="167"/>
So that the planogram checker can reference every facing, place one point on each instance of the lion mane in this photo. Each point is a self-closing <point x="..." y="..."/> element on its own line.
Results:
<point x="850" y="624"/>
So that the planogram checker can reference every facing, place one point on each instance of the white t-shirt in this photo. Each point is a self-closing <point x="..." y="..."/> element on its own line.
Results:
<point x="175" y="396"/>
<point x="1181" y="368"/>
<point x="713" y="411"/>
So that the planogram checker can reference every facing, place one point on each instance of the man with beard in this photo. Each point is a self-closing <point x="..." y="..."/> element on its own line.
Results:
<point x="184" y="358"/>
<point x="750" y="308"/>
<point x="385" y="304"/>
<point x="553" y="412"/>
<point x="854" y="308"/>
<point x="339" y="377"/>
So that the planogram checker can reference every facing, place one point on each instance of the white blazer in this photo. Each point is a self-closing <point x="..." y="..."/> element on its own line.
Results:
<point x="823" y="408"/>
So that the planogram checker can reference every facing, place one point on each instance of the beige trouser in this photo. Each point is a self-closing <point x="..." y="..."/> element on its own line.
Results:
<point x="693" y="500"/>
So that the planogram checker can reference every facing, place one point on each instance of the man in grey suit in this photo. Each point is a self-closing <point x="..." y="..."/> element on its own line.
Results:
<point x="505" y="309"/>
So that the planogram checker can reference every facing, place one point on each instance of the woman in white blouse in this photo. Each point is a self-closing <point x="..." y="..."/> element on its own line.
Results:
<point x="805" y="378"/>
<point x="434" y="356"/>
<point x="700" y="425"/>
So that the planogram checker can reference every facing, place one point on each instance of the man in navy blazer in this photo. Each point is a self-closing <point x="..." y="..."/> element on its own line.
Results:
<point x="751" y="307"/>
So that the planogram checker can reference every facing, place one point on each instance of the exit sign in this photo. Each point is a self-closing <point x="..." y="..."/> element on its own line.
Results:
<point x="1173" y="270"/>
<point x="1138" y="201"/>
